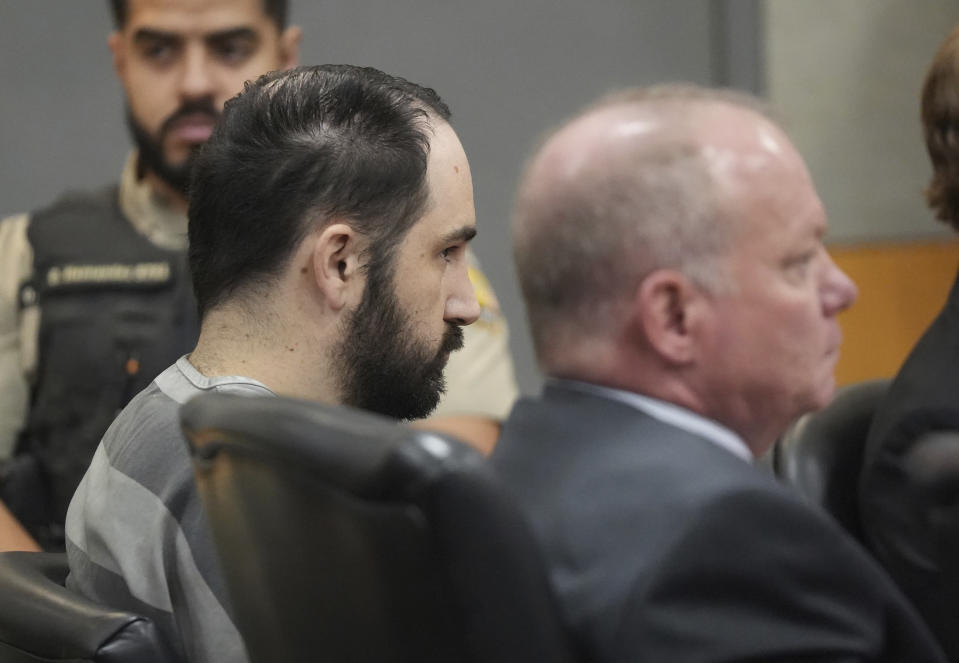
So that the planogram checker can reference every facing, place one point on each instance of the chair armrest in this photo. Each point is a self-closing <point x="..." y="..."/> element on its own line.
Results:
<point x="42" y="617"/>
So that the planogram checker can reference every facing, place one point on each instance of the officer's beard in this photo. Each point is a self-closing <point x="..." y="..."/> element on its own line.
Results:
<point x="381" y="364"/>
<point x="150" y="148"/>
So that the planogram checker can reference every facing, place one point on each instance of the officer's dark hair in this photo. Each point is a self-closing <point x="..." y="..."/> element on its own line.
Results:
<point x="296" y="149"/>
<point x="275" y="9"/>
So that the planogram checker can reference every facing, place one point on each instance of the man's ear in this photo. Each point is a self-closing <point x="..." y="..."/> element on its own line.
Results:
<point x="667" y="308"/>
<point x="336" y="264"/>
<point x="290" y="47"/>
<point x="118" y="52"/>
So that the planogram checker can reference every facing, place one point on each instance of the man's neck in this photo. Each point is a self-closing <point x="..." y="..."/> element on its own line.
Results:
<point x="646" y="375"/>
<point x="288" y="362"/>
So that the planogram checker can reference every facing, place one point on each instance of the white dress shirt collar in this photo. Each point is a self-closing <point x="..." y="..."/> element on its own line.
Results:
<point x="668" y="413"/>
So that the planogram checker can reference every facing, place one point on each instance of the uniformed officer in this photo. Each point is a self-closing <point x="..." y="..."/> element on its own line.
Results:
<point x="94" y="296"/>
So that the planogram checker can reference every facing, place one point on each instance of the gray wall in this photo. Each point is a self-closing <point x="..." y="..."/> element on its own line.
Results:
<point x="508" y="69"/>
<point x="846" y="75"/>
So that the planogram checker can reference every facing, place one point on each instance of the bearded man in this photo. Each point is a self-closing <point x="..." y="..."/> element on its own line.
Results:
<point x="95" y="298"/>
<point x="329" y="218"/>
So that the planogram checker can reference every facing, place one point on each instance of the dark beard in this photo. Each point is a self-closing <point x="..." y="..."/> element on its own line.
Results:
<point x="382" y="366"/>
<point x="150" y="148"/>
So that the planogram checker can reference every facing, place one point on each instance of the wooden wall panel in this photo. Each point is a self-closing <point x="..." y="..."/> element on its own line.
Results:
<point x="902" y="286"/>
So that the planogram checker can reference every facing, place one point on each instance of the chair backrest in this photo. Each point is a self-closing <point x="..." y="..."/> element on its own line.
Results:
<point x="821" y="454"/>
<point x="347" y="536"/>
<point x="932" y="467"/>
<point x="41" y="620"/>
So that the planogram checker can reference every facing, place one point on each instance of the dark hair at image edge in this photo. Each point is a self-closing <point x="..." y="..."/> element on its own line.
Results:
<point x="275" y="9"/>
<point x="298" y="148"/>
<point x="940" y="126"/>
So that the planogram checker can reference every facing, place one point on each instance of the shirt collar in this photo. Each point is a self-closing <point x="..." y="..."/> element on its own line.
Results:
<point x="668" y="413"/>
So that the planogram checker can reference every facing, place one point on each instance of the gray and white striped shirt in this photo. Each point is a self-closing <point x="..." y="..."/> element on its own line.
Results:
<point x="137" y="537"/>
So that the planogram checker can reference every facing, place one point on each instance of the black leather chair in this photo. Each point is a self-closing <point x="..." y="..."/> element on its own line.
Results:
<point x="821" y="455"/>
<point x="40" y="620"/>
<point x="932" y="466"/>
<point x="348" y="537"/>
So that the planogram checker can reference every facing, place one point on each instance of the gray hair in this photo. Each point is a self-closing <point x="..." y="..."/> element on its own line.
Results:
<point x="582" y="246"/>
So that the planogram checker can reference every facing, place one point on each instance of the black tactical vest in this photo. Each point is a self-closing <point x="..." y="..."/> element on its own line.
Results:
<point x="115" y="311"/>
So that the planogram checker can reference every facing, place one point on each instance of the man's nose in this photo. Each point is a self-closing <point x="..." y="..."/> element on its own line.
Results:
<point x="197" y="78"/>
<point x="840" y="290"/>
<point x="462" y="308"/>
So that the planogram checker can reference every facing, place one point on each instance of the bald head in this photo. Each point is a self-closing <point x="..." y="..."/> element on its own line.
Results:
<point x="643" y="180"/>
<point x="669" y="242"/>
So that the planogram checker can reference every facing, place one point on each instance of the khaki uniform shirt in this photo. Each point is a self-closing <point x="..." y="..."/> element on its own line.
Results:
<point x="480" y="377"/>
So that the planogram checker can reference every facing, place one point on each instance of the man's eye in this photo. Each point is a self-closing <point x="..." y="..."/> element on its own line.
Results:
<point x="449" y="253"/>
<point x="158" y="51"/>
<point x="799" y="265"/>
<point x="233" y="50"/>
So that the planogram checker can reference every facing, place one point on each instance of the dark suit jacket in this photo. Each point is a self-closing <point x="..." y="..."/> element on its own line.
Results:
<point x="924" y="397"/>
<point x="664" y="547"/>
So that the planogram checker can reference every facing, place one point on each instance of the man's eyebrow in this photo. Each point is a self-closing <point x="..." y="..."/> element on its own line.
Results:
<point x="464" y="234"/>
<point x="153" y="34"/>
<point x="232" y="33"/>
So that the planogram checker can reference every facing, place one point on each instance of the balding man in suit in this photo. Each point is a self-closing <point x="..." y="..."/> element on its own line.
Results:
<point x="669" y="247"/>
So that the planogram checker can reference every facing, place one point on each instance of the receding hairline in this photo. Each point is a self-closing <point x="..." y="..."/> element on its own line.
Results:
<point x="276" y="10"/>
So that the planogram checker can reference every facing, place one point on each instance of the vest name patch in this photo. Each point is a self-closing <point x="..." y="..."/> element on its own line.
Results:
<point x="114" y="273"/>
